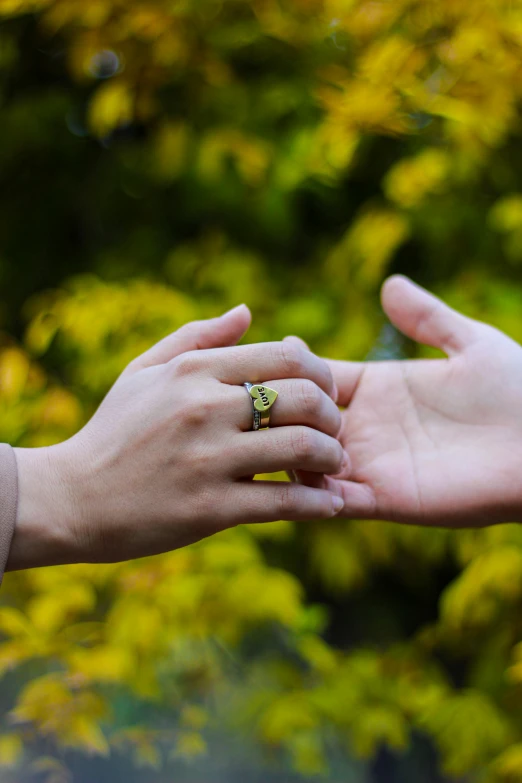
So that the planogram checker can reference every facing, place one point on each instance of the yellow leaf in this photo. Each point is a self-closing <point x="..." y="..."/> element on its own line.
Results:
<point x="85" y="734"/>
<point x="506" y="214"/>
<point x="111" y="107"/>
<point x="468" y="728"/>
<point x="377" y="725"/>
<point x="147" y="755"/>
<point x="60" y="408"/>
<point x="14" y="372"/>
<point x="286" y="716"/>
<point x="335" y="558"/>
<point x="142" y="745"/>
<point x="308" y="755"/>
<point x="35" y="698"/>
<point x="13" y="622"/>
<point x="368" y="246"/>
<point x="194" y="717"/>
<point x="12" y="654"/>
<point x="508" y="765"/>
<point x="190" y="744"/>
<point x="40" y="332"/>
<point x="104" y="663"/>
<point x="413" y="179"/>
<point x="50" y="611"/>
<point x="490" y="580"/>
<point x="11" y="749"/>
<point x="318" y="654"/>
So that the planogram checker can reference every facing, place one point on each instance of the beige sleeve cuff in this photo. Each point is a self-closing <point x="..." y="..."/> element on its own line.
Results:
<point x="8" y="501"/>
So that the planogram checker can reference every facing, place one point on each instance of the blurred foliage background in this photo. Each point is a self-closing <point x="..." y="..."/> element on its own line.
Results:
<point x="167" y="159"/>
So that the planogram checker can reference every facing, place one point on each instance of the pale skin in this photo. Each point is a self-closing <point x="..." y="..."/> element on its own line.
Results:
<point x="169" y="457"/>
<point x="433" y="442"/>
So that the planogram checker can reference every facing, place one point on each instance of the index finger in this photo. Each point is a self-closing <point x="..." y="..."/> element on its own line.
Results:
<point x="256" y="363"/>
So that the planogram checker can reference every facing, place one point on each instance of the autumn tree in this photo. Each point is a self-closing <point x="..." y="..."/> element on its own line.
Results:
<point x="160" y="161"/>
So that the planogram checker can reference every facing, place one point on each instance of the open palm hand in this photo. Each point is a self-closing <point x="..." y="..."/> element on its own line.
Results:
<point x="435" y="442"/>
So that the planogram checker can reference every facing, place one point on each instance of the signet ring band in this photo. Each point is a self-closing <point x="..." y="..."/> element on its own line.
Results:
<point x="263" y="397"/>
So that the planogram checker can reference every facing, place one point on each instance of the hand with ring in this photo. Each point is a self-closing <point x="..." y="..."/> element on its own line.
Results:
<point x="170" y="455"/>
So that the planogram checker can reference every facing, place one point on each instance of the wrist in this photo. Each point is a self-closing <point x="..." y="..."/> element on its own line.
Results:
<point x="46" y="514"/>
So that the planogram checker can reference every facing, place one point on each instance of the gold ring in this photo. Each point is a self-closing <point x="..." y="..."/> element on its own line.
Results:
<point x="263" y="397"/>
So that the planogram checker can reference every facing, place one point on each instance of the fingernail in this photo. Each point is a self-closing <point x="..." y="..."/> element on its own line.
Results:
<point x="298" y="340"/>
<point x="337" y="503"/>
<point x="233" y="310"/>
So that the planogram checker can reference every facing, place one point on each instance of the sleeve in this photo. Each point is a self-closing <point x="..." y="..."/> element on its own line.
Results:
<point x="8" y="501"/>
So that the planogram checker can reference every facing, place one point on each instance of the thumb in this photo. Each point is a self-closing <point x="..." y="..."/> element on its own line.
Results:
<point x="424" y="318"/>
<point x="225" y="330"/>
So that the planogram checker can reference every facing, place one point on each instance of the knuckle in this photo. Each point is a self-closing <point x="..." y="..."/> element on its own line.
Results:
<point x="309" y="398"/>
<point x="201" y="472"/>
<point x="190" y="329"/>
<point x="133" y="367"/>
<point x="303" y="444"/>
<point x="287" y="500"/>
<point x="187" y="364"/>
<point x="203" y="508"/>
<point x="193" y="332"/>
<point x="426" y="317"/>
<point x="197" y="410"/>
<point x="293" y="358"/>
